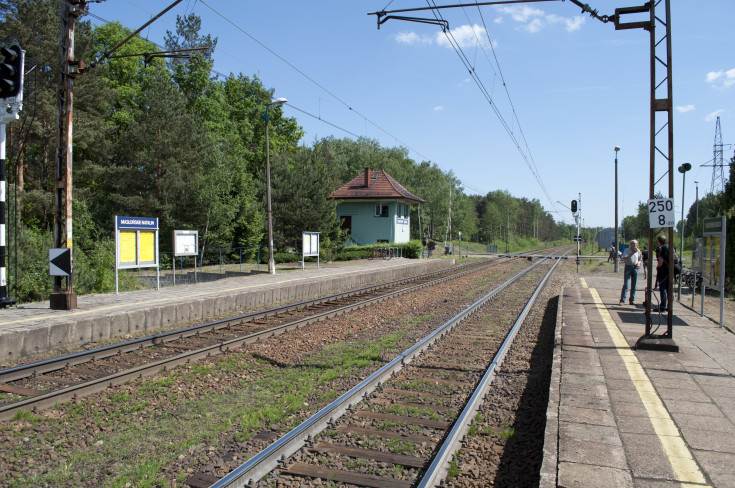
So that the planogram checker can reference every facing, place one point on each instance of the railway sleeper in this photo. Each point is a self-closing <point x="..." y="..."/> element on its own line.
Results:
<point x="359" y="479"/>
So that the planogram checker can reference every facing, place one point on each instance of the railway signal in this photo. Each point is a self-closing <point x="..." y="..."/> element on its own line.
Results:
<point x="574" y="206"/>
<point x="11" y="72"/>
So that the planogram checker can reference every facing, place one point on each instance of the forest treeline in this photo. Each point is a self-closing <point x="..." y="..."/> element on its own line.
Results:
<point x="173" y="139"/>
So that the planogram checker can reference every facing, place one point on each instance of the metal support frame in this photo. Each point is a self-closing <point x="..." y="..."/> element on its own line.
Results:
<point x="661" y="143"/>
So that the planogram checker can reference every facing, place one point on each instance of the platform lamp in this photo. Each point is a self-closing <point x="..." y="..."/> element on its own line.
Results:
<point x="617" y="245"/>
<point x="271" y="261"/>
<point x="696" y="227"/>
<point x="683" y="170"/>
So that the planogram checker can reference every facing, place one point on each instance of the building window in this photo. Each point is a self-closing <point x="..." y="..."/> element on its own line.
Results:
<point x="381" y="210"/>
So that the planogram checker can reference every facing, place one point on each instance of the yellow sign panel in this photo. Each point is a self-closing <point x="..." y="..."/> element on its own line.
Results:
<point x="711" y="260"/>
<point x="147" y="247"/>
<point x="128" y="248"/>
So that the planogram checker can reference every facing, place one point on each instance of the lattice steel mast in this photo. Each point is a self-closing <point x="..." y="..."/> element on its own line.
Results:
<point x="718" y="178"/>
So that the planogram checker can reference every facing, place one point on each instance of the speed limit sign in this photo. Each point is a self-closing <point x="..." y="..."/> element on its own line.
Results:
<point x="661" y="213"/>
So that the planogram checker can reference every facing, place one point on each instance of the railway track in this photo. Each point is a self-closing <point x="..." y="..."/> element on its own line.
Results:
<point x="43" y="384"/>
<point x="400" y="426"/>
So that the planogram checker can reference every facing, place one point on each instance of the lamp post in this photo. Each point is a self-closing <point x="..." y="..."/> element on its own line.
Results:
<point x="271" y="262"/>
<point x="683" y="170"/>
<point x="617" y="246"/>
<point x="696" y="226"/>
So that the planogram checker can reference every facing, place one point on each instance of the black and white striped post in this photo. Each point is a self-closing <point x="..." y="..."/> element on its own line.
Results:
<point x="11" y="101"/>
<point x="5" y="300"/>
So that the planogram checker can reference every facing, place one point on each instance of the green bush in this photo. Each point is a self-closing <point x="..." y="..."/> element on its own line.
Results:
<point x="279" y="257"/>
<point x="410" y="250"/>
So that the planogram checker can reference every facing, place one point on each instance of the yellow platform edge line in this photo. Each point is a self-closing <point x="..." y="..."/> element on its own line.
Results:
<point x="685" y="468"/>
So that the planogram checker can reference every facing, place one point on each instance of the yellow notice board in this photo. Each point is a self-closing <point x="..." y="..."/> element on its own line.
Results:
<point x="136" y="243"/>
<point x="147" y="247"/>
<point x="128" y="247"/>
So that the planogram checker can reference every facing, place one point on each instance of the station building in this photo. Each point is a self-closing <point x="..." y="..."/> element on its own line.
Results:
<point x="374" y="208"/>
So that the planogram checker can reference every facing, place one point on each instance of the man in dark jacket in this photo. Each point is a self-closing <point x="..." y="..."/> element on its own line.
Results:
<point x="662" y="272"/>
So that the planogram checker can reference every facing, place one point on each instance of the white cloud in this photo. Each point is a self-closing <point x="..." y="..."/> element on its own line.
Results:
<point x="711" y="117"/>
<point x="412" y="39"/>
<point x="438" y="108"/>
<point x="465" y="35"/>
<point x="536" y="19"/>
<point x="520" y="13"/>
<point x="534" y="26"/>
<point x="684" y="108"/>
<point x="574" y="23"/>
<point x="721" y="79"/>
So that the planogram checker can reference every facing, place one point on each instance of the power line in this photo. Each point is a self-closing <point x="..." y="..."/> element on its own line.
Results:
<point x="340" y="100"/>
<point x="483" y="89"/>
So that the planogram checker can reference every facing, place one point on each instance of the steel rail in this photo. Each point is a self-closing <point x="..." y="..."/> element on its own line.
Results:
<point x="437" y="471"/>
<point x="146" y="370"/>
<point x="54" y="364"/>
<point x="267" y="460"/>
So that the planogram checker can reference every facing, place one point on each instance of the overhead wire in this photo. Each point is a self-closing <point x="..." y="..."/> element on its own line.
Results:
<point x="526" y="155"/>
<point x="301" y="72"/>
<point x="322" y="87"/>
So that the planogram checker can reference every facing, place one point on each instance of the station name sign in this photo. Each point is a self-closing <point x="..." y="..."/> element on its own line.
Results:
<point x="712" y="226"/>
<point x="137" y="223"/>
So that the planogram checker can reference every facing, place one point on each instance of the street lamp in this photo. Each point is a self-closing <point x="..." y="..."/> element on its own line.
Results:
<point x="683" y="170"/>
<point x="617" y="246"/>
<point x="271" y="261"/>
<point x="697" y="200"/>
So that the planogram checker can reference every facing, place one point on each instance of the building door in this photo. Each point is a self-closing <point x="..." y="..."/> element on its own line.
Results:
<point x="346" y="224"/>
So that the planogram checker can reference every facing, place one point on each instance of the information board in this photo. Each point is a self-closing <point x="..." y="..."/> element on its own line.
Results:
<point x="136" y="244"/>
<point x="309" y="246"/>
<point x="186" y="243"/>
<point x="714" y="231"/>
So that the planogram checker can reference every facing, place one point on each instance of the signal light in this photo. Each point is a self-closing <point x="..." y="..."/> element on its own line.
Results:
<point x="11" y="71"/>
<point x="685" y="167"/>
<point x="574" y="206"/>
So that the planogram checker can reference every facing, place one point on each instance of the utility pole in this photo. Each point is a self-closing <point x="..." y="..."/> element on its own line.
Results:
<point x="69" y="69"/>
<point x="507" y="228"/>
<point x="71" y="10"/>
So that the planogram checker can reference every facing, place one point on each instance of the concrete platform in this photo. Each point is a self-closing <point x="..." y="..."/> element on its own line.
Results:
<point x="35" y="328"/>
<point x="621" y="417"/>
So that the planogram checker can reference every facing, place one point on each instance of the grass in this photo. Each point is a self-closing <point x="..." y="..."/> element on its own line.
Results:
<point x="453" y="470"/>
<point x="28" y="416"/>
<point x="413" y="412"/>
<point x="398" y="446"/>
<point x="508" y="434"/>
<point x="132" y="437"/>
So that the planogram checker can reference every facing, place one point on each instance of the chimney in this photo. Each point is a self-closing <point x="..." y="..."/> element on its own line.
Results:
<point x="367" y="177"/>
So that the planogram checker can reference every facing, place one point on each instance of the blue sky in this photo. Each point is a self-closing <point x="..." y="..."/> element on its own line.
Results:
<point x="574" y="87"/>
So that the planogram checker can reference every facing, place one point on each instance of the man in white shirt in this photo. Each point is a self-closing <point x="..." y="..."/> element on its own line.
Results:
<point x="633" y="260"/>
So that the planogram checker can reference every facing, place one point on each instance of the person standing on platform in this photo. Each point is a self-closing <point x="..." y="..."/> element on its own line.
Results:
<point x="662" y="272"/>
<point x="633" y="260"/>
<point x="645" y="261"/>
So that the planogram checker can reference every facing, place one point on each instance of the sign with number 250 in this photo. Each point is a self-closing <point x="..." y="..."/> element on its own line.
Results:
<point x="661" y="213"/>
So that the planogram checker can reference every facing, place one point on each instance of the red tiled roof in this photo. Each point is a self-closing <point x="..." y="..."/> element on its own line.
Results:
<point x="374" y="185"/>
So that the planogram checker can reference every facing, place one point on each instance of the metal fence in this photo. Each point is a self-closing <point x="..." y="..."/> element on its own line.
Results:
<point x="211" y="265"/>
